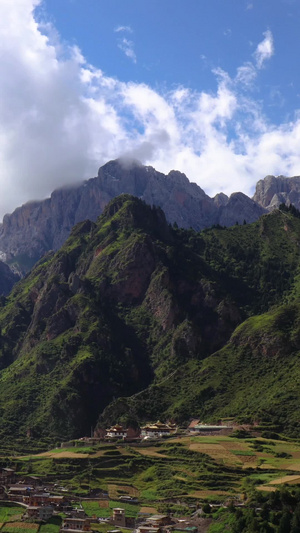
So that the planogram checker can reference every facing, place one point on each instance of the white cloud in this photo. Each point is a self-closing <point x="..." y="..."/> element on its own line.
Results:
<point x="246" y="74"/>
<point x="127" y="47"/>
<point x="264" y="50"/>
<point x="123" y="28"/>
<point x="125" y="44"/>
<point x="61" y="118"/>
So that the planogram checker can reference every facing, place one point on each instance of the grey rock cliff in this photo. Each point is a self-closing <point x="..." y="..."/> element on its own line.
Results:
<point x="239" y="208"/>
<point x="36" y="227"/>
<point x="272" y="191"/>
<point x="221" y="199"/>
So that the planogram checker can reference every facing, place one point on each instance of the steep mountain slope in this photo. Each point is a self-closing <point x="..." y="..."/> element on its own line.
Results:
<point x="255" y="378"/>
<point x="37" y="227"/>
<point x="7" y="279"/>
<point x="130" y="303"/>
<point x="96" y="320"/>
<point x="256" y="375"/>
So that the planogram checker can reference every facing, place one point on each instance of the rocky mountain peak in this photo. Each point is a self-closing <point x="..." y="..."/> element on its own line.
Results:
<point x="36" y="227"/>
<point x="221" y="199"/>
<point x="272" y="191"/>
<point x="239" y="208"/>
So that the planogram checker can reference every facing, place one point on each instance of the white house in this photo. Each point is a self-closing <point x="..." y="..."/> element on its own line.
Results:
<point x="116" y="432"/>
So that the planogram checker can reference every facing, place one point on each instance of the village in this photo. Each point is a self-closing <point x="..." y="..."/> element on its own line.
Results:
<point x="150" y="431"/>
<point x="40" y="499"/>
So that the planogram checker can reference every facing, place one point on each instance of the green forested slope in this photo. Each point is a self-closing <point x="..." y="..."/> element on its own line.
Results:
<point x="130" y="303"/>
<point x="255" y="378"/>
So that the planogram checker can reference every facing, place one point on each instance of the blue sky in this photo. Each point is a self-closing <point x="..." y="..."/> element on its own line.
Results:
<point x="208" y="88"/>
<point x="181" y="42"/>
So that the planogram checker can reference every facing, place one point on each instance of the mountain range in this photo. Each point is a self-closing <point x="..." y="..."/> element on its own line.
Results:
<point x="134" y="319"/>
<point x="37" y="227"/>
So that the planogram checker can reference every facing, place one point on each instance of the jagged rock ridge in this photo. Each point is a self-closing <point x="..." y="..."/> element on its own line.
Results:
<point x="36" y="227"/>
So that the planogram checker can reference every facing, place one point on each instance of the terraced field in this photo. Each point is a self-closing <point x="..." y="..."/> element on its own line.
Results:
<point x="175" y="474"/>
<point x="187" y="470"/>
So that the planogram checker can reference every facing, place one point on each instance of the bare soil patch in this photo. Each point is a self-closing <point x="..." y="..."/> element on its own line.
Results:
<point x="104" y="504"/>
<point x="201" y="446"/>
<point x="152" y="452"/>
<point x="266" y="488"/>
<point x="296" y="455"/>
<point x="115" y="491"/>
<point x="217" y="451"/>
<point x="206" y="493"/>
<point x="293" y="466"/>
<point x="235" y="446"/>
<point x="285" y="479"/>
<point x="251" y="464"/>
<point x="247" y="460"/>
<point x="150" y="510"/>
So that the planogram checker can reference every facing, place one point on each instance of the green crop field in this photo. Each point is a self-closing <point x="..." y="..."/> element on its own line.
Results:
<point x="93" y="508"/>
<point x="10" y="512"/>
<point x="52" y="526"/>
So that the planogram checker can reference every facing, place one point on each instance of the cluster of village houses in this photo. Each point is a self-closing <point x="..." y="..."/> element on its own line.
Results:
<point x="152" y="431"/>
<point x="153" y="524"/>
<point x="39" y="503"/>
<point x="157" y="430"/>
<point x="117" y="432"/>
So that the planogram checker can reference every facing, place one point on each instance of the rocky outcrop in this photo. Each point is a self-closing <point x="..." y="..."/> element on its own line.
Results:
<point x="183" y="202"/>
<point x="221" y="199"/>
<point x="36" y="227"/>
<point x="273" y="191"/>
<point x="239" y="208"/>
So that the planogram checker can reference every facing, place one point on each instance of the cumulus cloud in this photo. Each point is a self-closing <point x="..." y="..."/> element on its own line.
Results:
<point x="264" y="50"/>
<point x="61" y="118"/>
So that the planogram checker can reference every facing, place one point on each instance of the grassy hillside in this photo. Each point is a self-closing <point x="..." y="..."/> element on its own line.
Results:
<point x="255" y="378"/>
<point x="130" y="304"/>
